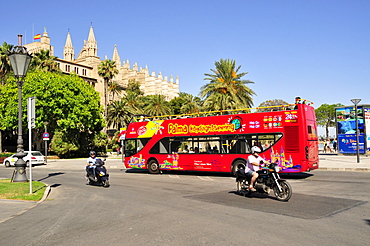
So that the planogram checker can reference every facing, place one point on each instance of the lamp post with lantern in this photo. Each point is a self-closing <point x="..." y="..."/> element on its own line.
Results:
<point x="20" y="61"/>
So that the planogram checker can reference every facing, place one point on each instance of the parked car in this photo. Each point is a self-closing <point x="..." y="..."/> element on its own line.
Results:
<point x="35" y="157"/>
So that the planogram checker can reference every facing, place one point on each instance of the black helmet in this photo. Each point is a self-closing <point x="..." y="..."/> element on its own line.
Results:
<point x="92" y="153"/>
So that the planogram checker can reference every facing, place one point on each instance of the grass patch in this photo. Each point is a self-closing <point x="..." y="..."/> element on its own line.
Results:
<point x="21" y="191"/>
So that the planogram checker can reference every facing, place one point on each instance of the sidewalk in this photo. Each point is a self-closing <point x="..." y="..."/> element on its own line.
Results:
<point x="13" y="208"/>
<point x="334" y="162"/>
<point x="328" y="162"/>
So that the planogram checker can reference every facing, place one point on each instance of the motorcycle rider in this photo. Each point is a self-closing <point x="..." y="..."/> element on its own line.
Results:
<point x="253" y="165"/>
<point x="90" y="166"/>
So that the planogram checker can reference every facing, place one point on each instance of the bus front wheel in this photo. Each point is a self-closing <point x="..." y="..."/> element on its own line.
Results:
<point x="153" y="167"/>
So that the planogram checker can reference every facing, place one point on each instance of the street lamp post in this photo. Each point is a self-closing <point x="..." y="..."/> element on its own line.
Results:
<point x="355" y="102"/>
<point x="20" y="60"/>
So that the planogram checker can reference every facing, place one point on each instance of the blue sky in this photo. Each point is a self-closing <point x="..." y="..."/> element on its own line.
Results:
<point x="318" y="50"/>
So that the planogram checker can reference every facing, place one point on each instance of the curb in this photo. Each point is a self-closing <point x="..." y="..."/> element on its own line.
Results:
<point x="46" y="193"/>
<point x="359" y="169"/>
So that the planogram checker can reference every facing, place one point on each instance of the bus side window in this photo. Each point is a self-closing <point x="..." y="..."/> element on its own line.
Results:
<point x="161" y="147"/>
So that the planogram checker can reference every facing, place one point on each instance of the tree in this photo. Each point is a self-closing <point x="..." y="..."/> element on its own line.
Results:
<point x="191" y="104"/>
<point x="5" y="66"/>
<point x="115" y="88"/>
<point x="107" y="70"/>
<point x="42" y="60"/>
<point x="325" y="116"/>
<point x="156" y="105"/>
<point x="270" y="105"/>
<point x="134" y="87"/>
<point x="119" y="114"/>
<point x="226" y="90"/>
<point x="71" y="108"/>
<point x="177" y="102"/>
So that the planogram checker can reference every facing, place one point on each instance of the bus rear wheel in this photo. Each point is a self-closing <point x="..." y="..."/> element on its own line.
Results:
<point x="237" y="165"/>
<point x="153" y="167"/>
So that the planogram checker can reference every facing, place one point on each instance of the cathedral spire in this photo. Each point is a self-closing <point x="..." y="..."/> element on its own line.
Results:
<point x="91" y="37"/>
<point x="68" y="53"/>
<point x="116" y="57"/>
<point x="91" y="44"/>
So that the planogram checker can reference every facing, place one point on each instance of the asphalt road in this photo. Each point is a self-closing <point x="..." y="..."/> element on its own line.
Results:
<point x="327" y="208"/>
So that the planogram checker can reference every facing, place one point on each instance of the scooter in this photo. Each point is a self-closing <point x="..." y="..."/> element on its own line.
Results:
<point x="101" y="176"/>
<point x="268" y="179"/>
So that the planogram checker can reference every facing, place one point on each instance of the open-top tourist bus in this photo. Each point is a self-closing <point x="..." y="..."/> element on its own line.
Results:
<point x="222" y="141"/>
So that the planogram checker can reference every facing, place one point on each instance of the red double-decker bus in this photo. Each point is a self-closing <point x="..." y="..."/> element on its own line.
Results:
<point x="222" y="143"/>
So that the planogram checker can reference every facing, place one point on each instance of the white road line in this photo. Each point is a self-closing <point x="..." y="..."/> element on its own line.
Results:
<point x="205" y="178"/>
<point x="174" y="176"/>
<point x="294" y="181"/>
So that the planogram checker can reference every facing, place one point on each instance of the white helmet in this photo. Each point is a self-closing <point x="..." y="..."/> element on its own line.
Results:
<point x="256" y="149"/>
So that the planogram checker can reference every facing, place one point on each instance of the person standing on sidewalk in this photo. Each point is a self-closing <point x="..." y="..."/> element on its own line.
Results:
<point x="334" y="143"/>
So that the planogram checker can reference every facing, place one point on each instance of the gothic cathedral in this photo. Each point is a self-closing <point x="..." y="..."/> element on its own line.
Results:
<point x="87" y="62"/>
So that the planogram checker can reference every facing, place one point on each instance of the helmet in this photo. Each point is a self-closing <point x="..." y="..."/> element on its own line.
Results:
<point x="92" y="153"/>
<point x="256" y="149"/>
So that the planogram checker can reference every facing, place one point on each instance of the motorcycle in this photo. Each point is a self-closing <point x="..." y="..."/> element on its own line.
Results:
<point x="101" y="174"/>
<point x="268" y="179"/>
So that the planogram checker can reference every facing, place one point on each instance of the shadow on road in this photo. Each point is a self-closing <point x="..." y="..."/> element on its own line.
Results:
<point x="254" y="195"/>
<point x="296" y="175"/>
<point x="51" y="175"/>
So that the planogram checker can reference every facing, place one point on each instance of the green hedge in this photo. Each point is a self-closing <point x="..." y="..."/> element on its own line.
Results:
<point x="5" y="154"/>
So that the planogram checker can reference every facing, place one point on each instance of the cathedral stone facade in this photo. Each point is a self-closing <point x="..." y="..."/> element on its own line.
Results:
<point x="87" y="62"/>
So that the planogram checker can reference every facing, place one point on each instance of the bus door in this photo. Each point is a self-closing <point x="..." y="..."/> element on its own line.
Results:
<point x="197" y="153"/>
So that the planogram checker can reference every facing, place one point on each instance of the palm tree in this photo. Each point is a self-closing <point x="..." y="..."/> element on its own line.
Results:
<point x="114" y="88"/>
<point x="191" y="104"/>
<point x="134" y="86"/>
<point x="119" y="114"/>
<point x="134" y="102"/>
<point x="107" y="70"/>
<point x="157" y="105"/>
<point x="5" y="66"/>
<point x="42" y="60"/>
<point x="226" y="90"/>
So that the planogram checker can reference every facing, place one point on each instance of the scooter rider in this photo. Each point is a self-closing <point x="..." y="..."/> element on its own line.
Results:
<point x="253" y="165"/>
<point x="90" y="166"/>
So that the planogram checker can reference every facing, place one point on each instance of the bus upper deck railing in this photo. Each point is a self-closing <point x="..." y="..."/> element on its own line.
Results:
<point x="143" y="117"/>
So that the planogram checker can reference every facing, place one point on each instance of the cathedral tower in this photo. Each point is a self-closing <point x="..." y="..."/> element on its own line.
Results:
<point x="90" y="48"/>
<point x="69" y="52"/>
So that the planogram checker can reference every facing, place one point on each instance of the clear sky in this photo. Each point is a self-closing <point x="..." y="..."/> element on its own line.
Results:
<point x="317" y="49"/>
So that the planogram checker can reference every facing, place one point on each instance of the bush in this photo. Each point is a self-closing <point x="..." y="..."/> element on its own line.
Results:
<point x="5" y="154"/>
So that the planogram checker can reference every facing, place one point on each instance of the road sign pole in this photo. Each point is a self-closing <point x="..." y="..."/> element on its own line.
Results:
<point x="31" y="124"/>
<point x="45" y="137"/>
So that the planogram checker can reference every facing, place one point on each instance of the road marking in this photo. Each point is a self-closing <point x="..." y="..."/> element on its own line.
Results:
<point x="174" y="176"/>
<point x="205" y="178"/>
<point x="294" y="181"/>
